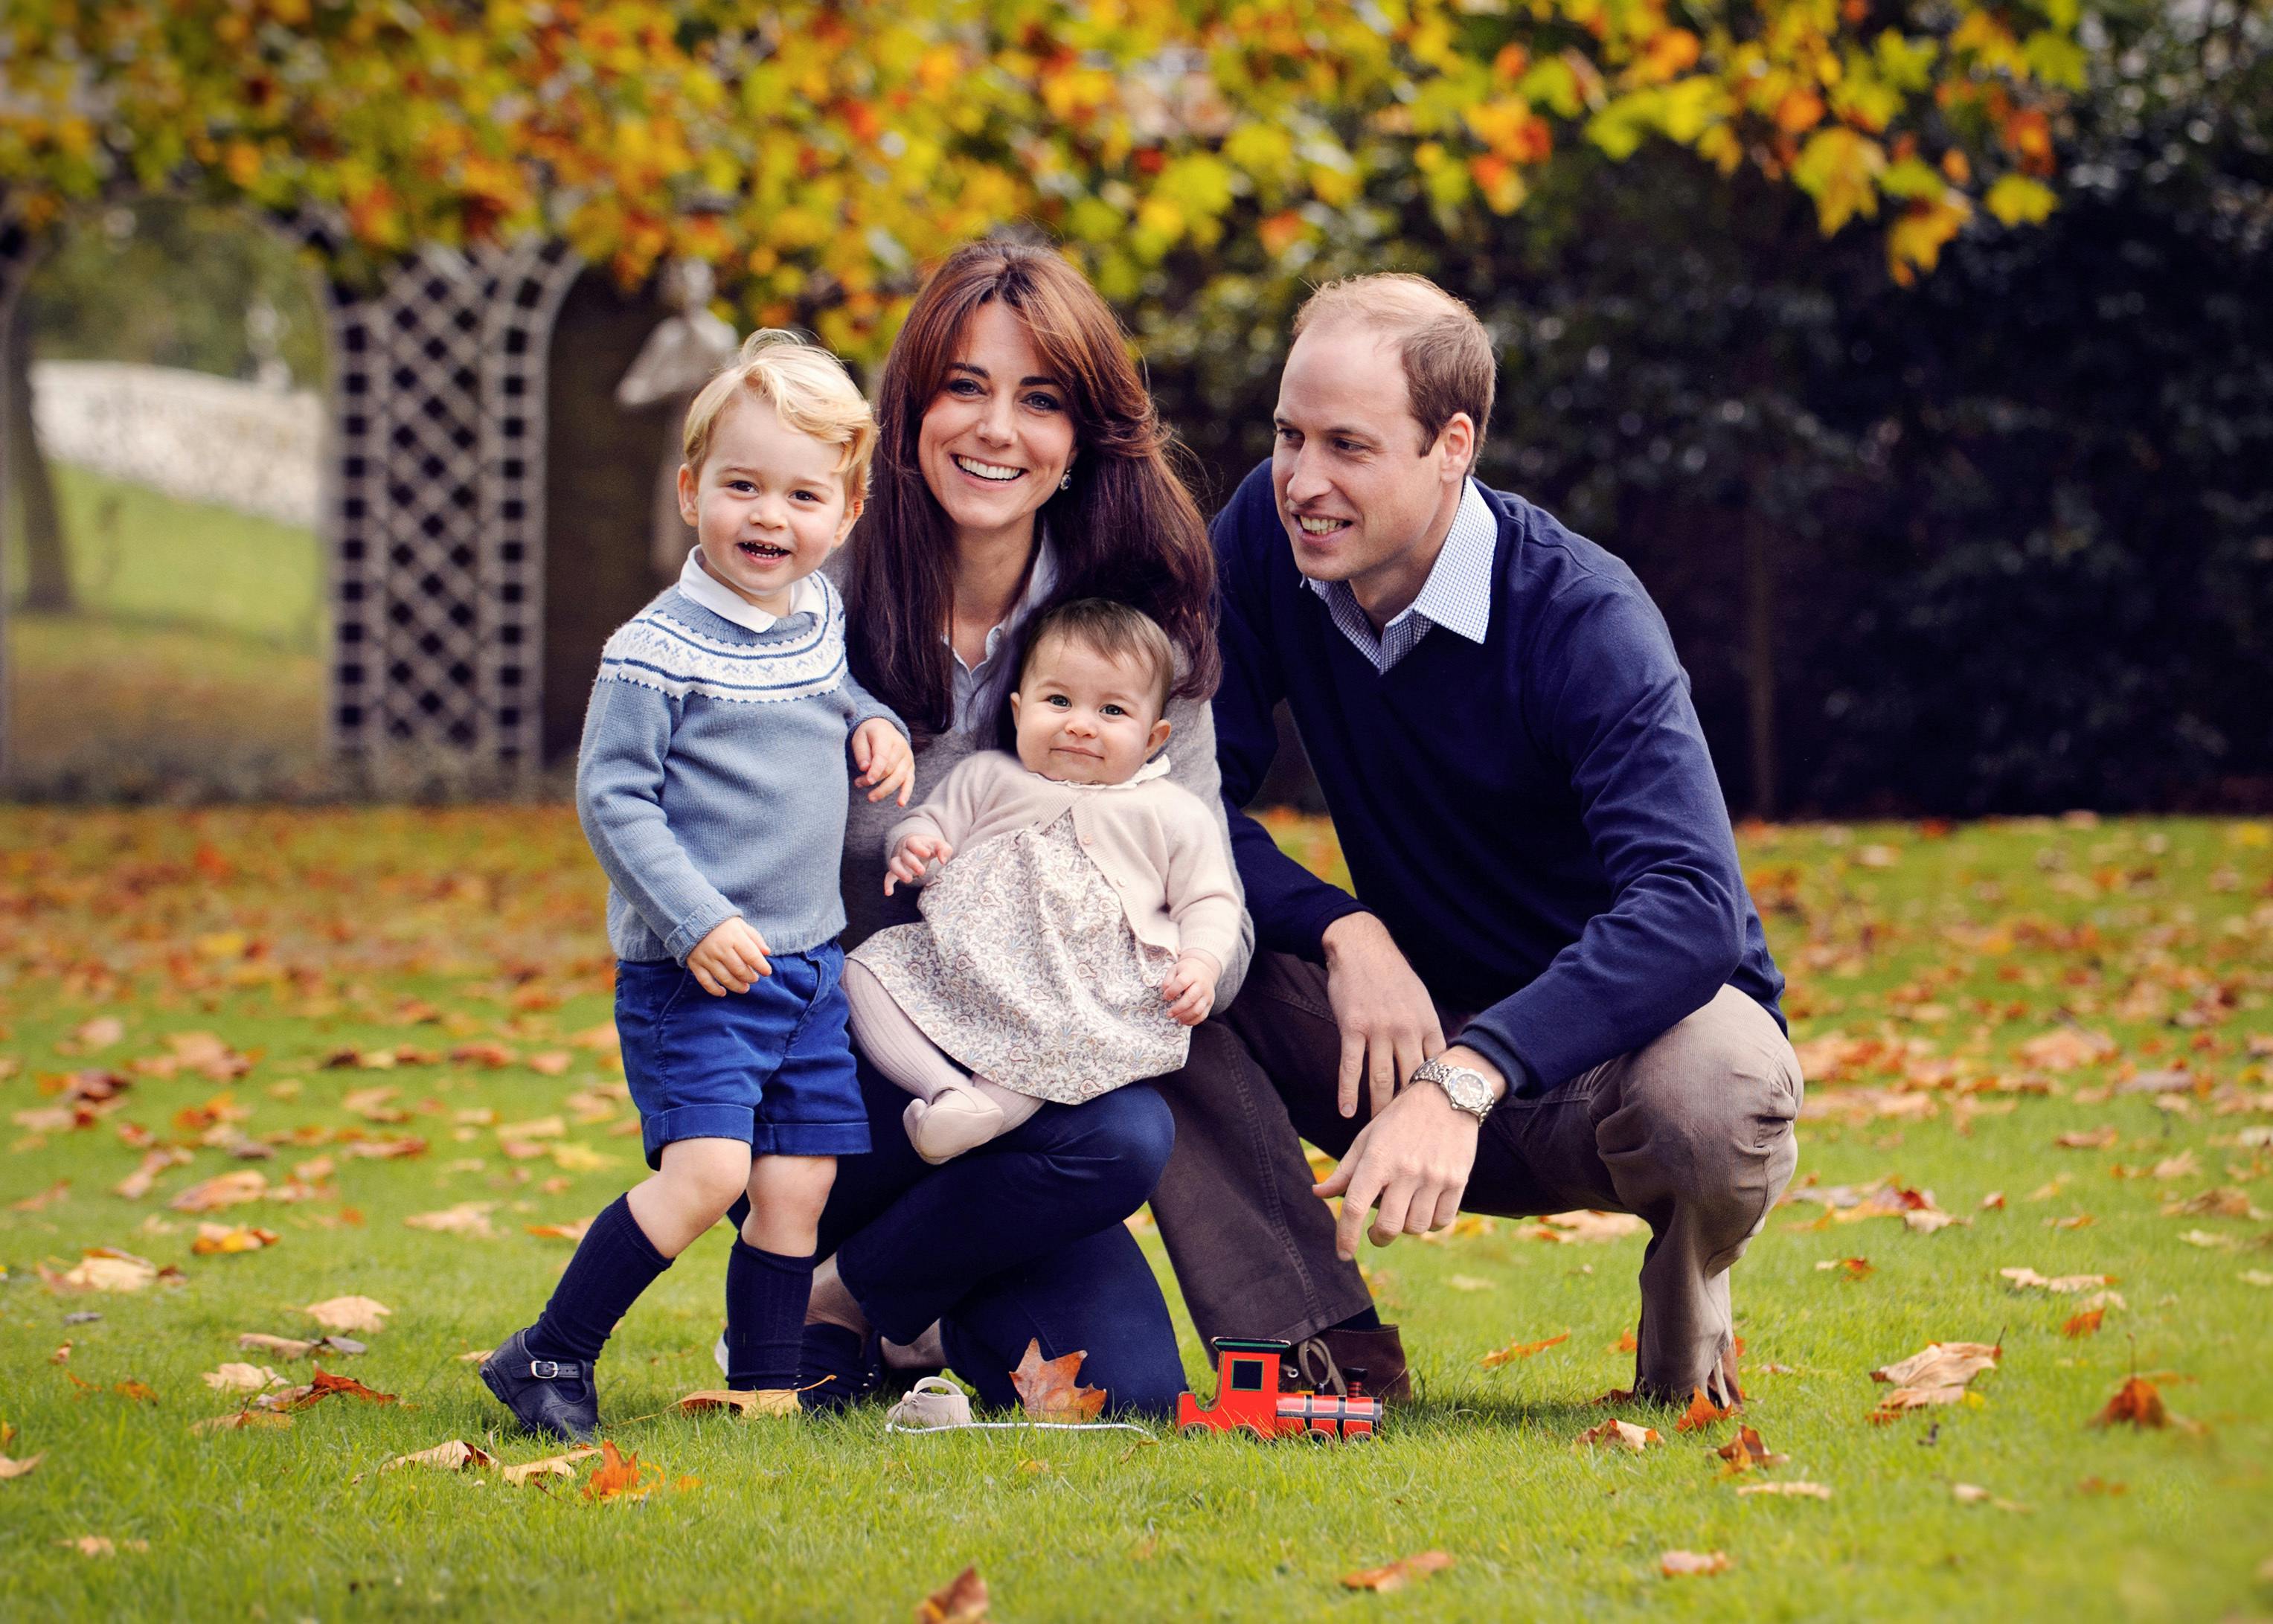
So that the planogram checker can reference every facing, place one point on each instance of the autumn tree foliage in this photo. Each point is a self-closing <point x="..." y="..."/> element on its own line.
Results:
<point x="817" y="153"/>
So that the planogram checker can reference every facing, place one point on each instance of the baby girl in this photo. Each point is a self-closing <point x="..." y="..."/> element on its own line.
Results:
<point x="1082" y="929"/>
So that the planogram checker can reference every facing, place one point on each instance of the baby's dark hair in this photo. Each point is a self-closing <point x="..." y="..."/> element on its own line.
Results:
<point x="1113" y="630"/>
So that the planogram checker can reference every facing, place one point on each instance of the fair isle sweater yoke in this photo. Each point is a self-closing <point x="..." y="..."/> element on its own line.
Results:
<point x="714" y="774"/>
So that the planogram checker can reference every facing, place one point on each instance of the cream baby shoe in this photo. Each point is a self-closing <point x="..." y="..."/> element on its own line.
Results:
<point x="934" y="1401"/>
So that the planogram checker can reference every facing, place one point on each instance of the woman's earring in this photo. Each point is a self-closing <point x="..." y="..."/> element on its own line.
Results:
<point x="1066" y="482"/>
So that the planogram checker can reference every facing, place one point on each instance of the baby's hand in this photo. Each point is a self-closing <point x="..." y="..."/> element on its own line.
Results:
<point x="730" y="959"/>
<point x="910" y="856"/>
<point x="884" y="759"/>
<point x="1189" y="990"/>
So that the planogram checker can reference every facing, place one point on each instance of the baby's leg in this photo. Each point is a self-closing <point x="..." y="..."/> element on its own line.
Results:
<point x="894" y="1045"/>
<point x="1015" y="1107"/>
<point x="770" y="1274"/>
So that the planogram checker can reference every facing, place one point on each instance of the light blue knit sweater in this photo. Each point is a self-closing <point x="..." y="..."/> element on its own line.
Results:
<point x="714" y="775"/>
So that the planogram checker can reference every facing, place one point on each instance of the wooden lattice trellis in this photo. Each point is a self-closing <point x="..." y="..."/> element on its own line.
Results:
<point x="433" y="512"/>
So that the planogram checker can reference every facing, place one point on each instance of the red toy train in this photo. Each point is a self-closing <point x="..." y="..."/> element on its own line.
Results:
<point x="1258" y="1388"/>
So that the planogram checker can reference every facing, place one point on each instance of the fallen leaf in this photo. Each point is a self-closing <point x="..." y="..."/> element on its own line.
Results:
<point x="17" y="1469"/>
<point x="1974" y="1494"/>
<point x="58" y="1191"/>
<point x="1498" y="1357"/>
<point x="618" y="1477"/>
<point x="239" y="1419"/>
<point x="61" y="1355"/>
<point x="962" y="1600"/>
<point x="349" y="1314"/>
<point x="1684" y="1564"/>
<point x="2137" y="1403"/>
<point x="2094" y="1138"/>
<point x="1050" y="1390"/>
<point x="382" y="1150"/>
<point x="1396" y="1574"/>
<point x="2028" y="1279"/>
<point x="550" y="1466"/>
<point x="1994" y="1201"/>
<point x="1587" y="1225"/>
<point x="542" y="1127"/>
<point x="237" y="1378"/>
<point x="561" y="1231"/>
<point x="2218" y="1203"/>
<point x="742" y="1401"/>
<point x="1850" y="1267"/>
<point x="1941" y="1364"/>
<point x="99" y="1033"/>
<point x="550" y="1062"/>
<point x="323" y="1384"/>
<point x="222" y="1190"/>
<point x="1902" y="1400"/>
<point x="1812" y="1490"/>
<point x="220" y="1238"/>
<point x="455" y="1455"/>
<point x="1625" y="1434"/>
<point x="98" y="1545"/>
<point x="2084" y="1324"/>
<point x="139" y="1183"/>
<point x="1702" y="1412"/>
<point x="465" y="1218"/>
<point x="1471" y="1282"/>
<point x="1745" y="1451"/>
<point x="106" y="1269"/>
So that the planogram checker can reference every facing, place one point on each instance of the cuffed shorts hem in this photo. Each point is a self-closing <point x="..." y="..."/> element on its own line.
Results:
<point x="668" y="1127"/>
<point x="810" y="1139"/>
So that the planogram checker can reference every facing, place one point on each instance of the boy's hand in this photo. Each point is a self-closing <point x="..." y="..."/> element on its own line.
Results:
<point x="730" y="959"/>
<point x="911" y="856"/>
<point x="884" y="759"/>
<point x="1190" y="989"/>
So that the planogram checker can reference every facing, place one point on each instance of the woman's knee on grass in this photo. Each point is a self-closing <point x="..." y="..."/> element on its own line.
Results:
<point x="787" y="1194"/>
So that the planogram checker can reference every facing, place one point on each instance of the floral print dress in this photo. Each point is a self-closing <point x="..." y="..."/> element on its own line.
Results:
<point x="1025" y="971"/>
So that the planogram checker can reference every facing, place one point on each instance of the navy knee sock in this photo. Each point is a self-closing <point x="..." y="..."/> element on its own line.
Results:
<point x="766" y="1297"/>
<point x="614" y="1264"/>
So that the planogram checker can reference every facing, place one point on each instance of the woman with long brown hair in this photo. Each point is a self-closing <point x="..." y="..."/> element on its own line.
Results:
<point x="1021" y="465"/>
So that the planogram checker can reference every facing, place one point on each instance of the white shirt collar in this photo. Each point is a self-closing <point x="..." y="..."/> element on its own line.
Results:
<point x="805" y="597"/>
<point x="1457" y="595"/>
<point x="1157" y="767"/>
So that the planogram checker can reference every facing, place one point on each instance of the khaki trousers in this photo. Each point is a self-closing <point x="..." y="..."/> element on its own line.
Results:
<point x="1693" y="1132"/>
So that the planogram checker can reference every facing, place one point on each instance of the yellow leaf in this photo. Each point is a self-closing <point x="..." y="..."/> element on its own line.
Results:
<point x="2016" y="200"/>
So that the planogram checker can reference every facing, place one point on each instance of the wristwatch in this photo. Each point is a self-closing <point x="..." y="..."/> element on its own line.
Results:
<point x="1468" y="1090"/>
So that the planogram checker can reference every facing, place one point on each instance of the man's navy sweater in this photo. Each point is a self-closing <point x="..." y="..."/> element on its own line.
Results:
<point x="1535" y="819"/>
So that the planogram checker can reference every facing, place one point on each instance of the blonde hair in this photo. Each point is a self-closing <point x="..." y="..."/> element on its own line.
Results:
<point x="1113" y="630"/>
<point x="809" y="389"/>
<point x="1446" y="351"/>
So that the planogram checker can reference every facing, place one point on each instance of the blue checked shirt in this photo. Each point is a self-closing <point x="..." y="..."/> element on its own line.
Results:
<point x="1457" y="595"/>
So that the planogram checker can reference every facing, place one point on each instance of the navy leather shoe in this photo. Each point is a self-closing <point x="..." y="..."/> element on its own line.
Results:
<point x="836" y="1367"/>
<point x="545" y="1395"/>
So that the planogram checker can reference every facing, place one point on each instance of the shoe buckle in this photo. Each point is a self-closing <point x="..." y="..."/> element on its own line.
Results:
<point x="552" y="1370"/>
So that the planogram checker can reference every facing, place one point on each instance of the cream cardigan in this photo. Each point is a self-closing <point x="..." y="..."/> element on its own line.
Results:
<point x="1154" y="842"/>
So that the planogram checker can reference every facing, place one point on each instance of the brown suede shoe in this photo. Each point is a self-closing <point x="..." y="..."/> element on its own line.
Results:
<point x="1331" y="1358"/>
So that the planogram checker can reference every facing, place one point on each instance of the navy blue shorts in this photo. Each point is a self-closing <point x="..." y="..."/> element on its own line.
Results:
<point x="772" y="1066"/>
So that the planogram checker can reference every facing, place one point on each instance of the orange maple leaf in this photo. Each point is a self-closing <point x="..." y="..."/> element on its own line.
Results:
<point x="1498" y="1357"/>
<point x="617" y="1474"/>
<point x="2085" y="1324"/>
<point x="2137" y="1401"/>
<point x="962" y="1600"/>
<point x="1395" y="1575"/>
<point x="1701" y="1413"/>
<point x="1051" y="1390"/>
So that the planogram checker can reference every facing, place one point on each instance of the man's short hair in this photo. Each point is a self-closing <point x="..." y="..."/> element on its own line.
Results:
<point x="1449" y="364"/>
<point x="805" y="385"/>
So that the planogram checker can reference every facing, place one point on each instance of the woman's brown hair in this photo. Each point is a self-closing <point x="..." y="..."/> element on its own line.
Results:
<point x="1126" y="529"/>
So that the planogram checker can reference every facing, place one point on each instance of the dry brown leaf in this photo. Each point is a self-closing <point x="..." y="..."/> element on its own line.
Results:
<point x="1745" y="1451"/>
<point x="220" y="1238"/>
<point x="1994" y="1201"/>
<point x="382" y="1150"/>
<point x="2084" y="1324"/>
<point x="17" y="1469"/>
<point x="550" y="1062"/>
<point x="620" y="1475"/>
<point x="2137" y="1402"/>
<point x="962" y="1600"/>
<point x="323" y="1384"/>
<point x="465" y="1218"/>
<point x="2226" y="1202"/>
<point x="238" y="1378"/>
<point x="1941" y="1364"/>
<point x="107" y="1268"/>
<point x="1395" y="1575"/>
<point x="139" y="1183"/>
<point x="1687" y="1564"/>
<point x="1702" y="1412"/>
<point x="1625" y="1434"/>
<point x="99" y="1033"/>
<point x="774" y="1402"/>
<point x="239" y="1419"/>
<point x="1588" y="1225"/>
<point x="1902" y="1400"/>
<point x="1974" y="1494"/>
<point x="1498" y="1357"/>
<point x="550" y="1466"/>
<point x="455" y="1455"/>
<point x="1849" y="1268"/>
<point x="222" y="1190"/>
<point x="59" y="1190"/>
<point x="349" y="1314"/>
<point x="2028" y="1279"/>
<point x="2104" y="1138"/>
<point x="375" y="1105"/>
<point x="1051" y="1390"/>
<point x="1811" y="1491"/>
<point x="283" y="1347"/>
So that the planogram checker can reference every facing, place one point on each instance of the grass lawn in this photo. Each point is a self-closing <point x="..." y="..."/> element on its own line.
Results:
<point x="1963" y="997"/>
<point x="194" y="652"/>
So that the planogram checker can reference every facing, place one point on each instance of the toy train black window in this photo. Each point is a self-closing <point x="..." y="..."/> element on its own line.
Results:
<point x="1247" y="1375"/>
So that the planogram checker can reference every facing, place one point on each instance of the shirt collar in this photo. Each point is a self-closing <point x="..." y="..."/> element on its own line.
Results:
<point x="805" y="597"/>
<point x="1457" y="595"/>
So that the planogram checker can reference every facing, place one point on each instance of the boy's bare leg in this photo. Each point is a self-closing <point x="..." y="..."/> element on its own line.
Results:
<point x="699" y="1180"/>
